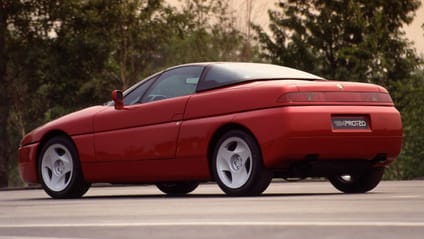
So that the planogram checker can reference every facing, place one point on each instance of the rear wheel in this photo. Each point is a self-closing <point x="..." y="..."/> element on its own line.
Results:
<point x="237" y="165"/>
<point x="59" y="169"/>
<point x="358" y="182"/>
<point x="177" y="188"/>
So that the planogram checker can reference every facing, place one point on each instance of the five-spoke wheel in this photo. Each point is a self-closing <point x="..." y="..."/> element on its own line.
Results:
<point x="237" y="165"/>
<point x="59" y="169"/>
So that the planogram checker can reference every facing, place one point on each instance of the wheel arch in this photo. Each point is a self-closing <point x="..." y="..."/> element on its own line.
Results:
<point x="219" y="133"/>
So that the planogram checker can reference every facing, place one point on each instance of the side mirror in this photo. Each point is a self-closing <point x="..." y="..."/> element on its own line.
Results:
<point x="118" y="99"/>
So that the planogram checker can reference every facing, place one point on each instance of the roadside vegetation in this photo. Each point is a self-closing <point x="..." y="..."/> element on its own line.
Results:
<point x="58" y="56"/>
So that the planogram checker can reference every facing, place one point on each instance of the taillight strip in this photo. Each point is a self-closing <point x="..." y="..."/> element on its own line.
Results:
<point x="334" y="97"/>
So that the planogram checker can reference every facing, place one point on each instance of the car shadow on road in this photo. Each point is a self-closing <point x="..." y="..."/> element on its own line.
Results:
<point x="190" y="196"/>
<point x="206" y="196"/>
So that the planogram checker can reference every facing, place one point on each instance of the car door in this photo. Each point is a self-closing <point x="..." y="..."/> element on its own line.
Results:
<point x="147" y="128"/>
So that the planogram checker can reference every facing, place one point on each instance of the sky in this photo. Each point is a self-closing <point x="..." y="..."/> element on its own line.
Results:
<point x="414" y="32"/>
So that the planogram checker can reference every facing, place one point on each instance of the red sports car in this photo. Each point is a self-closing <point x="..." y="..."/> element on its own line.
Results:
<point x="239" y="124"/>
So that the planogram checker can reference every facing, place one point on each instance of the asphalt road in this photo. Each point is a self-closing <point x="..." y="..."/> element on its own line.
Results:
<point x="286" y="210"/>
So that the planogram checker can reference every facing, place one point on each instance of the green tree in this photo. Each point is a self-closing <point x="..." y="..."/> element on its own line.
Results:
<point x="22" y="34"/>
<point x="354" y="40"/>
<point x="5" y="11"/>
<point x="137" y="30"/>
<point x="100" y="45"/>
<point x="346" y="40"/>
<point x="410" y="99"/>
<point x="203" y="30"/>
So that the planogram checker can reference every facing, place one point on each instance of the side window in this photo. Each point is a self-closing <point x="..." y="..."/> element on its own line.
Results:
<point x="134" y="95"/>
<point x="173" y="83"/>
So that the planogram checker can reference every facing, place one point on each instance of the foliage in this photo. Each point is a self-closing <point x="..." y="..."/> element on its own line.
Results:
<point x="410" y="99"/>
<point x="21" y="43"/>
<point x="355" y="40"/>
<point x="202" y="31"/>
<point x="346" y="40"/>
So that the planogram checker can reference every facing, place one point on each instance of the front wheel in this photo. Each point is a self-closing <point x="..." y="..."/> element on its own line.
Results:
<point x="358" y="182"/>
<point x="237" y="165"/>
<point x="177" y="188"/>
<point x="59" y="169"/>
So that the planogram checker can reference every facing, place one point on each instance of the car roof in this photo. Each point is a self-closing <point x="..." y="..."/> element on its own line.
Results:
<point x="251" y="71"/>
<point x="221" y="74"/>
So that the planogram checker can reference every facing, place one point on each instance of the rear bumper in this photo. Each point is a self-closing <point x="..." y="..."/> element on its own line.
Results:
<point x="294" y="134"/>
<point x="342" y="147"/>
<point x="324" y="168"/>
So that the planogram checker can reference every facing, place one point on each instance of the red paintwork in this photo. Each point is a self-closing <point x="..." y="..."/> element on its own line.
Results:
<point x="170" y="139"/>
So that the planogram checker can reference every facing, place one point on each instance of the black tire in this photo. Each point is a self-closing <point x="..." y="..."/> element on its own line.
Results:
<point x="358" y="182"/>
<point x="59" y="169"/>
<point x="177" y="188"/>
<point x="237" y="165"/>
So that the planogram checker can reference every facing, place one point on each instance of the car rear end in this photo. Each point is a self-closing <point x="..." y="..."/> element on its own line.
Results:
<point x="330" y="127"/>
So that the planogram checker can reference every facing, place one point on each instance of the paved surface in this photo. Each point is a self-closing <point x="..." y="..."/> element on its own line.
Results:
<point x="286" y="210"/>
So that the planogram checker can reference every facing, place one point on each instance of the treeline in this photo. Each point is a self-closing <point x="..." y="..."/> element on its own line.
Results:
<point x="57" y="56"/>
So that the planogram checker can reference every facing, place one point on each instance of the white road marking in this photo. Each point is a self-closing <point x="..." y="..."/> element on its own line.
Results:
<point x="406" y="196"/>
<point x="232" y="223"/>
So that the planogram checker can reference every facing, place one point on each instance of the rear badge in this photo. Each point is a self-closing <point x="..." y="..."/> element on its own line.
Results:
<point x="340" y="86"/>
<point x="350" y="123"/>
